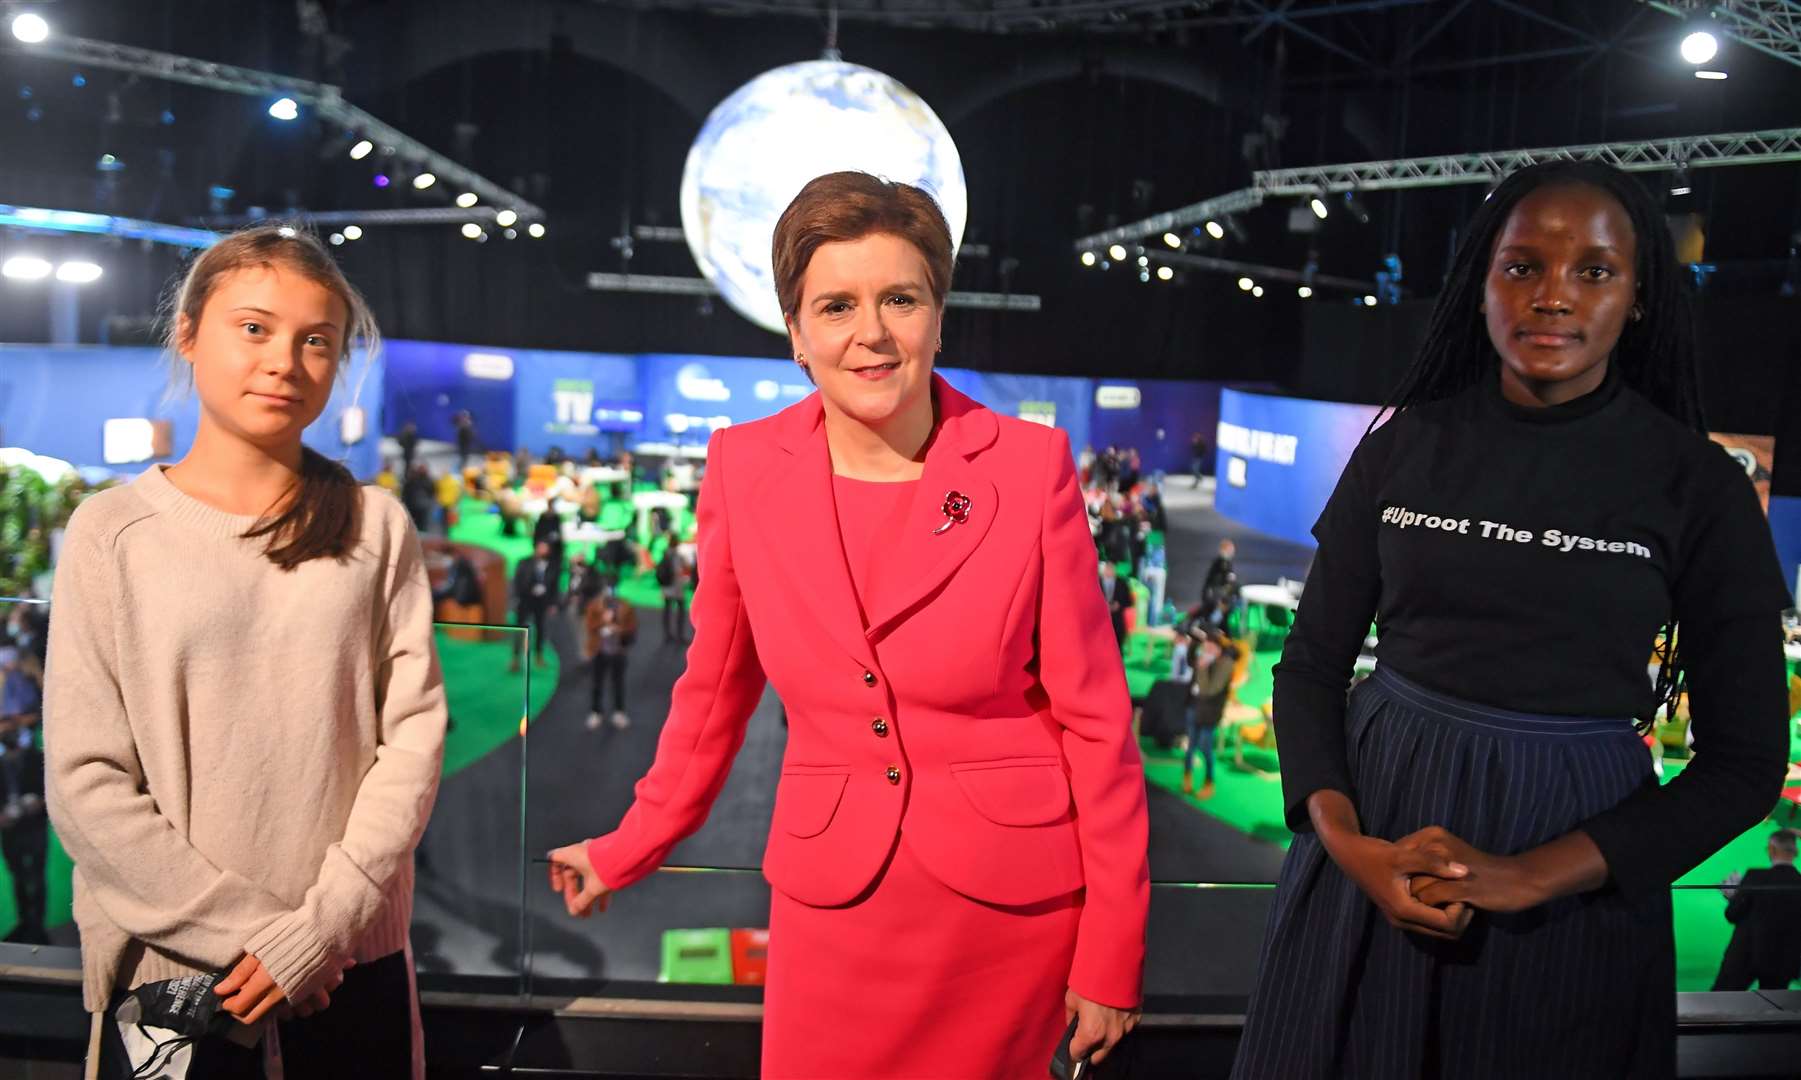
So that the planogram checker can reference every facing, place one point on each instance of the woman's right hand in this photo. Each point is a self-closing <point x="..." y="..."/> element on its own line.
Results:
<point x="573" y="875"/>
<point x="1384" y="870"/>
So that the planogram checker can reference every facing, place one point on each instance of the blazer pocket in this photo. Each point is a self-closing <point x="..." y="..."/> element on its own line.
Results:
<point x="808" y="797"/>
<point x="1015" y="791"/>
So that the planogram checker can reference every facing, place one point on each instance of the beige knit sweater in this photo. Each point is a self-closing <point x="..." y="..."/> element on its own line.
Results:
<point x="240" y="760"/>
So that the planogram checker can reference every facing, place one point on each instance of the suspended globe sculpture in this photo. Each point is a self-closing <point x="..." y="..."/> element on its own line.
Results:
<point x="762" y="144"/>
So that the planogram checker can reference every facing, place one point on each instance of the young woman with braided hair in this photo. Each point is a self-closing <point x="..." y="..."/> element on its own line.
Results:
<point x="1479" y="884"/>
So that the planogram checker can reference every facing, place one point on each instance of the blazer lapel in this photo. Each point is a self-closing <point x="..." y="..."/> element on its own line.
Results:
<point x="797" y="519"/>
<point x="923" y="558"/>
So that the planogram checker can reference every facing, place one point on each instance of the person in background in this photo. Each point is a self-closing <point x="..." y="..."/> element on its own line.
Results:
<point x="673" y="578"/>
<point x="1222" y="575"/>
<point x="612" y="629"/>
<point x="1153" y="571"/>
<point x="449" y="494"/>
<point x="583" y="584"/>
<point x="24" y="830"/>
<point x="462" y="583"/>
<point x="534" y="598"/>
<point x="468" y="443"/>
<point x="388" y="479"/>
<point x="548" y="529"/>
<point x="1118" y="594"/>
<point x="408" y="439"/>
<point x="1197" y="449"/>
<point x="1764" y="908"/>
<point x="1211" y="658"/>
<point x="418" y="495"/>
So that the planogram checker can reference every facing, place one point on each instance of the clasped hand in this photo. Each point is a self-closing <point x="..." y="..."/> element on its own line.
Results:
<point x="1432" y="882"/>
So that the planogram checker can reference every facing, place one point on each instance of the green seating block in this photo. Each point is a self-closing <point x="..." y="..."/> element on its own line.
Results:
<point x="697" y="956"/>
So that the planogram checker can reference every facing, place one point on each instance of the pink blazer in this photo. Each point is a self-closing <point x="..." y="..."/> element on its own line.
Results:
<point x="983" y="708"/>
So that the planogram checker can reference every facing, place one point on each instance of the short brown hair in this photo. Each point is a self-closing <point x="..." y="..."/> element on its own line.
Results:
<point x="322" y="519"/>
<point x="844" y="206"/>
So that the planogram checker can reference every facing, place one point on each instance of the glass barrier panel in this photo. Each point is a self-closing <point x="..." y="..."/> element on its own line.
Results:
<point x="469" y="870"/>
<point x="467" y="929"/>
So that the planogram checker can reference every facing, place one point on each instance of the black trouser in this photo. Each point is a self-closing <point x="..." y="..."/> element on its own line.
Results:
<point x="25" y="845"/>
<point x="1739" y="969"/>
<point x="368" y="1031"/>
<point x="608" y="666"/>
<point x="535" y="615"/>
<point x="675" y="616"/>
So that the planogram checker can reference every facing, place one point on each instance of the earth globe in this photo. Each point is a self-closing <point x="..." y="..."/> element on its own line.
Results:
<point x="762" y="144"/>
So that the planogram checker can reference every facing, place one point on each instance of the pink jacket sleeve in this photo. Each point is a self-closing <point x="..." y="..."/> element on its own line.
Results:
<point x="1079" y="665"/>
<point x="708" y="708"/>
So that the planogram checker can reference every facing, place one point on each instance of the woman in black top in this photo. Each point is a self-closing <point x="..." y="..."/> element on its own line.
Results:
<point x="1479" y="884"/>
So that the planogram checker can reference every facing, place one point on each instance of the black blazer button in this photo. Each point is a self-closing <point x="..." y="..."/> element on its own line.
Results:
<point x="880" y="727"/>
<point x="893" y="775"/>
<point x="869" y="678"/>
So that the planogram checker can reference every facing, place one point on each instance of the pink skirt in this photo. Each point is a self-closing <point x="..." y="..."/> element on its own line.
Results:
<point x="915" y="981"/>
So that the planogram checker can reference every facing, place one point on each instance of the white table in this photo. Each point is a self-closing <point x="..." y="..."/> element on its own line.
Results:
<point x="593" y="475"/>
<point x="697" y="451"/>
<point x="587" y="532"/>
<point x="1270" y="595"/>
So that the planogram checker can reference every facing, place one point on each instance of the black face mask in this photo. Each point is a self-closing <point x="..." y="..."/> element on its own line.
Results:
<point x="186" y="1006"/>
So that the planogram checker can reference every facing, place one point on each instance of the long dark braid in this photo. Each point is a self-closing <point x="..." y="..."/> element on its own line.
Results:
<point x="1656" y="354"/>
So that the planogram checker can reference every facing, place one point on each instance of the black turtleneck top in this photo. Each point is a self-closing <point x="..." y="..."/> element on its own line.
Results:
<point x="1527" y="558"/>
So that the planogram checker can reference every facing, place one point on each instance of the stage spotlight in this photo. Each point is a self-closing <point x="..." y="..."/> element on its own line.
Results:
<point x="1164" y="273"/>
<point x="353" y="232"/>
<point x="1354" y="206"/>
<point x="1680" y="184"/>
<point x="1304" y="291"/>
<point x="471" y="229"/>
<point x="1117" y="253"/>
<point x="30" y="28"/>
<point x="78" y="272"/>
<point x="1144" y="276"/>
<point x="1699" y="45"/>
<point x="467" y="199"/>
<point x="336" y="239"/>
<point x="361" y="150"/>
<point x="1246" y="284"/>
<point x="1711" y="76"/>
<point x="423" y="181"/>
<point x="511" y="234"/>
<point x="1143" y="261"/>
<point x="25" y="268"/>
<point x="505" y="218"/>
<point x="285" y="109"/>
<point x="1088" y="258"/>
<point x="1172" y="239"/>
<point x="1216" y="230"/>
<point x="1369" y="300"/>
<point x="381" y="180"/>
<point x="536" y="229"/>
<point x="1319" y="207"/>
<point x="1257" y="291"/>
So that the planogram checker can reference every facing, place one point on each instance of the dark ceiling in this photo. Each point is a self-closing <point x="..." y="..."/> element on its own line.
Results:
<point x="1070" y="116"/>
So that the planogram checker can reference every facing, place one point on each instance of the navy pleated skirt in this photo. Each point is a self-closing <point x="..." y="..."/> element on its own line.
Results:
<point x="1583" y="986"/>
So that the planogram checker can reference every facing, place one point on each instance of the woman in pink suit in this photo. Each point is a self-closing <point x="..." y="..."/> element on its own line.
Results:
<point x="957" y="857"/>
